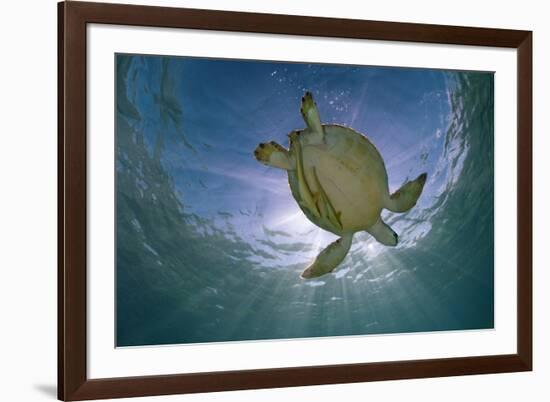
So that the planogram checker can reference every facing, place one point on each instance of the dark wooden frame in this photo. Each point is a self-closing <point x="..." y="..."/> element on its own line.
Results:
<point x="73" y="383"/>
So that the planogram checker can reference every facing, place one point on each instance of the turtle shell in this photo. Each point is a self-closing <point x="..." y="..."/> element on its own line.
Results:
<point x="346" y="174"/>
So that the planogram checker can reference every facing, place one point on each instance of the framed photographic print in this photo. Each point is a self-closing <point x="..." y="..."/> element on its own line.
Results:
<point x="252" y="200"/>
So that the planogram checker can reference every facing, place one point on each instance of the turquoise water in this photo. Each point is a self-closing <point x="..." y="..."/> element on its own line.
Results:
<point x="210" y="243"/>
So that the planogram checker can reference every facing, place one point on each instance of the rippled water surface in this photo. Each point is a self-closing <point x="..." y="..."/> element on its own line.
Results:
<point x="210" y="243"/>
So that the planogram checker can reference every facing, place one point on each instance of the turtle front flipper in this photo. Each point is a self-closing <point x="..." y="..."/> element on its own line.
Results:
<point x="311" y="116"/>
<point x="329" y="258"/>
<point x="273" y="154"/>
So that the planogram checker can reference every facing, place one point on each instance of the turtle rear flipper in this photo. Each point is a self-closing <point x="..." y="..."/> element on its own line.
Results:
<point x="329" y="258"/>
<point x="405" y="198"/>
<point x="383" y="233"/>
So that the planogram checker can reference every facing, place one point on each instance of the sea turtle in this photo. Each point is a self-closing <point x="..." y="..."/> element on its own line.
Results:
<point x="339" y="180"/>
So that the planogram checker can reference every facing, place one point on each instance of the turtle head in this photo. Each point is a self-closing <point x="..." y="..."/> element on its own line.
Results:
<point x="293" y="136"/>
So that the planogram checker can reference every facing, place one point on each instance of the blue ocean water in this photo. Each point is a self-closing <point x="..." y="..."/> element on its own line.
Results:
<point x="210" y="243"/>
